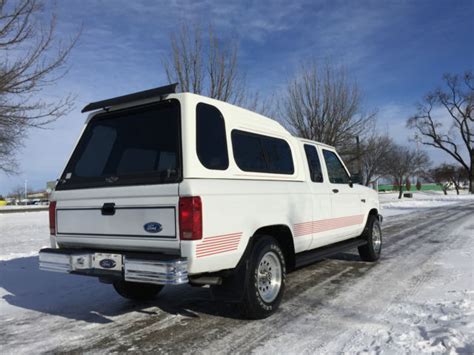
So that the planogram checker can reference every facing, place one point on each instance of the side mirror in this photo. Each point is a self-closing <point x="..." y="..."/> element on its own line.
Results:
<point x="354" y="179"/>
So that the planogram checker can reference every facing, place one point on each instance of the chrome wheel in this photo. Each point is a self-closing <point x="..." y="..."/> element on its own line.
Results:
<point x="376" y="237"/>
<point x="269" y="277"/>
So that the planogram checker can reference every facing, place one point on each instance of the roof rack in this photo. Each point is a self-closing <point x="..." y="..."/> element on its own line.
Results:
<point x="141" y="95"/>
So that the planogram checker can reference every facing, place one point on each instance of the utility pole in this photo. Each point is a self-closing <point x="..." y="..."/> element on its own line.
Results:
<point x="359" y="160"/>
<point x="418" y="141"/>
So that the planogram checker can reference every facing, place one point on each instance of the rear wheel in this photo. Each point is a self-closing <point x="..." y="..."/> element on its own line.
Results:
<point x="137" y="291"/>
<point x="373" y="235"/>
<point x="267" y="276"/>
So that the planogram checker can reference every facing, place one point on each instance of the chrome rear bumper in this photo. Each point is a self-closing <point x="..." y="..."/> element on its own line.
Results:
<point x="134" y="267"/>
<point x="165" y="272"/>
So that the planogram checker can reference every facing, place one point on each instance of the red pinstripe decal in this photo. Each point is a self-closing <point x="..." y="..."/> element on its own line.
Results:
<point x="223" y="235"/>
<point x="230" y="242"/>
<point x="324" y="225"/>
<point x="218" y="244"/>
<point x="207" y="247"/>
<point x="215" y="252"/>
<point x="219" y="240"/>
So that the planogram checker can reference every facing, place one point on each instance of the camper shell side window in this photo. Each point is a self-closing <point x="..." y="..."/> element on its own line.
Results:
<point x="211" y="141"/>
<point x="263" y="154"/>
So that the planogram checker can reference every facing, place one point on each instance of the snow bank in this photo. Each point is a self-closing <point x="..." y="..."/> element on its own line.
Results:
<point x="392" y="206"/>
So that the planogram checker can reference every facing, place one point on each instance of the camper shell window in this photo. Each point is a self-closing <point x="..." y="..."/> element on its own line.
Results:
<point x="140" y="145"/>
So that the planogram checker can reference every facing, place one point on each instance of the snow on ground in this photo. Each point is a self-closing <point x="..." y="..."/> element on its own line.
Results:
<point x="392" y="206"/>
<point x="9" y="208"/>
<point x="418" y="299"/>
<point x="43" y="308"/>
<point x="437" y="315"/>
<point x="22" y="234"/>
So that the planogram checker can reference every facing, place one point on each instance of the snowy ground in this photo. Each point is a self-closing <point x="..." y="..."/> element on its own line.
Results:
<point x="427" y="199"/>
<point x="418" y="298"/>
<point x="11" y="208"/>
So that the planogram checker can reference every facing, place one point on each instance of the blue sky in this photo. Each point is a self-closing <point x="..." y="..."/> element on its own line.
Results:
<point x="396" y="50"/>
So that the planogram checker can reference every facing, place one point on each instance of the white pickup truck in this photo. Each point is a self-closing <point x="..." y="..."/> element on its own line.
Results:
<point x="167" y="188"/>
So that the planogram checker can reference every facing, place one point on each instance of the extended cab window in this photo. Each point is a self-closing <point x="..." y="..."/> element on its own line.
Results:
<point x="133" y="146"/>
<point x="336" y="171"/>
<point x="211" y="143"/>
<point x="313" y="163"/>
<point x="258" y="153"/>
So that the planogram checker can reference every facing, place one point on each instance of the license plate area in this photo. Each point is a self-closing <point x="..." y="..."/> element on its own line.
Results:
<point x="106" y="261"/>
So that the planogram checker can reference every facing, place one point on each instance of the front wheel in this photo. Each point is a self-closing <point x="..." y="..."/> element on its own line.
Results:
<point x="373" y="235"/>
<point x="267" y="276"/>
<point x="137" y="291"/>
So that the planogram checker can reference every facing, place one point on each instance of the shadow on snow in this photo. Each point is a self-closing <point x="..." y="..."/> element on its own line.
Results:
<point x="85" y="298"/>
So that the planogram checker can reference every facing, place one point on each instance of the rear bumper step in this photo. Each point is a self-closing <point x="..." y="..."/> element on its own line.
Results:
<point x="134" y="267"/>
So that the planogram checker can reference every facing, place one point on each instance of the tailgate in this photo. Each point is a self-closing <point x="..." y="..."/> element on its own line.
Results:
<point x="146" y="219"/>
<point x="118" y="221"/>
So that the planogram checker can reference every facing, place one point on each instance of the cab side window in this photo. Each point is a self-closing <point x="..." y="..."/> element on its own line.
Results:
<point x="313" y="163"/>
<point x="211" y="142"/>
<point x="336" y="171"/>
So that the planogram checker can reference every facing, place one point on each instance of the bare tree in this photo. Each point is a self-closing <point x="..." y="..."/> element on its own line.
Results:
<point x="441" y="176"/>
<point x="458" y="177"/>
<point x="324" y="104"/>
<point x="200" y="63"/>
<point x="402" y="162"/>
<point x="31" y="60"/>
<point x="18" y="193"/>
<point x="375" y="151"/>
<point x="447" y="175"/>
<point x="457" y="138"/>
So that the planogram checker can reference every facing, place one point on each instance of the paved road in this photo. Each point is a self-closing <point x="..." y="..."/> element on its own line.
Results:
<point x="332" y="305"/>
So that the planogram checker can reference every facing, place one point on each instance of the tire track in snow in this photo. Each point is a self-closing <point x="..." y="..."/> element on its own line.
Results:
<point x="373" y="286"/>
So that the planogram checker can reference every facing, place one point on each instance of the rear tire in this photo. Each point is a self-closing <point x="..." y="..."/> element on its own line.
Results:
<point x="137" y="291"/>
<point x="373" y="235"/>
<point x="266" y="276"/>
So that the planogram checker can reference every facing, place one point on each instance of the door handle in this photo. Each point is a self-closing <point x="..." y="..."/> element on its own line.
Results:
<point x="335" y="191"/>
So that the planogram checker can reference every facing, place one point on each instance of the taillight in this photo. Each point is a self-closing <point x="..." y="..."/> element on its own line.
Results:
<point x="52" y="217"/>
<point x="190" y="218"/>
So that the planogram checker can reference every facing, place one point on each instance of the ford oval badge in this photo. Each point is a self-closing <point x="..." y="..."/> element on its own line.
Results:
<point x="153" y="227"/>
<point x="107" y="263"/>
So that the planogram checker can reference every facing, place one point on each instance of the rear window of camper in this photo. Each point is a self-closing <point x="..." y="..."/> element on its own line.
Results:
<point x="140" y="145"/>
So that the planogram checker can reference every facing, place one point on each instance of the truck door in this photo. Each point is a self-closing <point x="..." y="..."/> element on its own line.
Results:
<point x="346" y="207"/>
<point x="320" y="191"/>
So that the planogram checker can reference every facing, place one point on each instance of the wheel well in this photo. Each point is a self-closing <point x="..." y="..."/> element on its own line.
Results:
<point x="374" y="212"/>
<point x="284" y="237"/>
